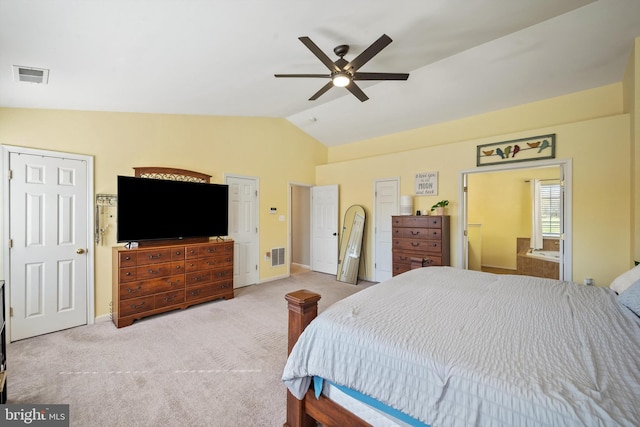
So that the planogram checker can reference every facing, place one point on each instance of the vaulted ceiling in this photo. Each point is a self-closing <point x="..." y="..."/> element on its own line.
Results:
<point x="219" y="57"/>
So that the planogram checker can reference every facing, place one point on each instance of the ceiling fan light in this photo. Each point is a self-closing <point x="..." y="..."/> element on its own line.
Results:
<point x="341" y="79"/>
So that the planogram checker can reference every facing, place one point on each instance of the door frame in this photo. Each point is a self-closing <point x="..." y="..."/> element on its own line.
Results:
<point x="566" y="176"/>
<point x="6" y="253"/>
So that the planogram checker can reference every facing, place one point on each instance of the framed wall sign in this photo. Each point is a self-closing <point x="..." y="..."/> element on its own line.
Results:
<point x="517" y="150"/>
<point x="426" y="184"/>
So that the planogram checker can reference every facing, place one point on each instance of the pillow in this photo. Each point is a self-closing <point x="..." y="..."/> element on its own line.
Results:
<point x="625" y="280"/>
<point x="630" y="298"/>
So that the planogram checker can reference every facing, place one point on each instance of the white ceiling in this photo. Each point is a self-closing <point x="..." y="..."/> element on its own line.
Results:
<point x="218" y="57"/>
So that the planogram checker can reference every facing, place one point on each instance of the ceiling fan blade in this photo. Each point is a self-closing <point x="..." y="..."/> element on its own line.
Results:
<point x="355" y="89"/>
<point x="381" y="76"/>
<point x="321" y="91"/>
<point x="324" y="76"/>
<point x="368" y="53"/>
<point x="320" y="54"/>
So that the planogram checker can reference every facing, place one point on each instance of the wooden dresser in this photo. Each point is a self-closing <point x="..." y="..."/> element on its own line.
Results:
<point x="420" y="237"/>
<point x="154" y="279"/>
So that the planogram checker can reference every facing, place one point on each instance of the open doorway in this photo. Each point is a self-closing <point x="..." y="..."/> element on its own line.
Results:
<point x="497" y="228"/>
<point x="300" y="228"/>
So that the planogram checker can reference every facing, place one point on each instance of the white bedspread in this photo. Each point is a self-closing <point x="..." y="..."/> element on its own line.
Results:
<point x="452" y="347"/>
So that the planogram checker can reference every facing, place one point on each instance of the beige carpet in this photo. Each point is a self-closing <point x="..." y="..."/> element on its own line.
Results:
<point x="214" y="364"/>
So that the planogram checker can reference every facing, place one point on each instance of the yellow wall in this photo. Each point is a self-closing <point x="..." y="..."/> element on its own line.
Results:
<point x="631" y="90"/>
<point x="271" y="149"/>
<point x="601" y="177"/>
<point x="599" y="102"/>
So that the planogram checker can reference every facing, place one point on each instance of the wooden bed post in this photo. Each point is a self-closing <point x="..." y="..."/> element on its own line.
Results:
<point x="303" y="308"/>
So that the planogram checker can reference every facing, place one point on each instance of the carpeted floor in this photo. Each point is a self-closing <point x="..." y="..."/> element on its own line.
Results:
<point x="214" y="364"/>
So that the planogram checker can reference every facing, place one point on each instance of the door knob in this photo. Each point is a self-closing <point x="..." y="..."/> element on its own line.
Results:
<point x="80" y="251"/>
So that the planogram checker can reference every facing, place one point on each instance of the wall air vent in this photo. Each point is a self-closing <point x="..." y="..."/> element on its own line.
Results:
<point x="30" y="74"/>
<point x="277" y="257"/>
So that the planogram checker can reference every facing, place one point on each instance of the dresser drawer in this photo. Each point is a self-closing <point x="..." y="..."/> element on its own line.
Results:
<point x="198" y="278"/>
<point x="400" y="268"/>
<point x="128" y="259"/>
<point x="417" y="221"/>
<point x="211" y="250"/>
<point x="209" y="262"/>
<point x="136" y="305"/>
<point x="127" y="274"/>
<point x="154" y="256"/>
<point x="152" y="286"/>
<point x="177" y="254"/>
<point x="159" y="270"/>
<point x="222" y="274"/>
<point x="169" y="298"/>
<point x="402" y="258"/>
<point x="418" y="233"/>
<point x="418" y="245"/>
<point x="191" y="265"/>
<point x="191" y="252"/>
<point x="209" y="290"/>
<point x="431" y="261"/>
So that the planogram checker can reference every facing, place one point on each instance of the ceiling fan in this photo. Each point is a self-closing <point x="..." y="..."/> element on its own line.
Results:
<point x="343" y="73"/>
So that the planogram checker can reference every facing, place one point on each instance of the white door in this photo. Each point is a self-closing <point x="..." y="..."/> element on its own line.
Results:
<point x="324" y="229"/>
<point x="48" y="231"/>
<point x="243" y="229"/>
<point x="386" y="204"/>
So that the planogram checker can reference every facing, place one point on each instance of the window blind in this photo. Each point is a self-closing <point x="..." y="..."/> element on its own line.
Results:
<point x="550" y="209"/>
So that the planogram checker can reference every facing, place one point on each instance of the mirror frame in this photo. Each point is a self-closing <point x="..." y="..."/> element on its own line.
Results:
<point x="351" y="244"/>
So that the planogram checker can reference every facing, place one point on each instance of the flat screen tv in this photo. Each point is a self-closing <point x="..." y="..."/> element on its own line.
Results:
<point x="157" y="209"/>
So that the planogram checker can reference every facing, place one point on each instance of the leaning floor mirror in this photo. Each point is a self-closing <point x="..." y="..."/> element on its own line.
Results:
<point x="351" y="244"/>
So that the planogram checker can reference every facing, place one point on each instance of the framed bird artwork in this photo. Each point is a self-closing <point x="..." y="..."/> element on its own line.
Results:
<point x="517" y="150"/>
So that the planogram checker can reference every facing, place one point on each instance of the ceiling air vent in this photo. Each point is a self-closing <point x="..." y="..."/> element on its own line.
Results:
<point x="30" y="74"/>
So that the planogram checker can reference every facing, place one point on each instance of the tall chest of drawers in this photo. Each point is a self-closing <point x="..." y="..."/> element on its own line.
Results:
<point x="423" y="237"/>
<point x="152" y="280"/>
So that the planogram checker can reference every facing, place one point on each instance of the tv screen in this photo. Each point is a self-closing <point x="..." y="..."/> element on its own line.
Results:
<point x="154" y="209"/>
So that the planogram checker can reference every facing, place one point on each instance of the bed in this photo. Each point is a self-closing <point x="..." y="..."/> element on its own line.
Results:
<point x="450" y="347"/>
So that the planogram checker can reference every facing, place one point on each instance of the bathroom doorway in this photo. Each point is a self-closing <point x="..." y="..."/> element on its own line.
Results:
<point x="496" y="218"/>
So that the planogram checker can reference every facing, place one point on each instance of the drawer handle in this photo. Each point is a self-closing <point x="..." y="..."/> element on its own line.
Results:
<point x="172" y="283"/>
<point x="192" y="265"/>
<point x="127" y="258"/>
<point x="196" y="292"/>
<point x="210" y="263"/>
<point x="403" y="258"/>
<point x="427" y="261"/>
<point x="415" y="244"/>
<point x="229" y="259"/>
<point x="434" y="245"/>
<point x="226" y="285"/>
<point x="169" y="298"/>
<point x="133" y="291"/>
<point x="198" y="278"/>
<point x="128" y="273"/>
<point x="158" y="256"/>
<point x="154" y="271"/>
<point x="178" y="252"/>
<point x="415" y="233"/>
<point x="212" y="250"/>
<point x="178" y="267"/>
<point x="137" y="306"/>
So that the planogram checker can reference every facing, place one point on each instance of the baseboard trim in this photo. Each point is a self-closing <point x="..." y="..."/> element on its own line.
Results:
<point x="103" y="318"/>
